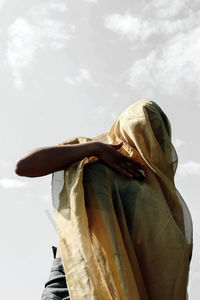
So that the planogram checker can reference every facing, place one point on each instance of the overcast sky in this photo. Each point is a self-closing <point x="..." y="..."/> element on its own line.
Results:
<point x="68" y="68"/>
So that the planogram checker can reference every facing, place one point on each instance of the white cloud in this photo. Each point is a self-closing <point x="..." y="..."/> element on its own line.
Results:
<point x="104" y="113"/>
<point x="18" y="81"/>
<point x="188" y="168"/>
<point x="40" y="32"/>
<point x="8" y="183"/>
<point x="172" y="69"/>
<point x="100" y="113"/>
<point x="44" y="9"/>
<point x="173" y="66"/>
<point x="5" y="164"/>
<point x="92" y="1"/>
<point x="178" y="143"/>
<point x="22" y="44"/>
<point x="53" y="32"/>
<point x="168" y="8"/>
<point x="83" y="76"/>
<point x="127" y="25"/>
<point x="72" y="27"/>
<point x="159" y="19"/>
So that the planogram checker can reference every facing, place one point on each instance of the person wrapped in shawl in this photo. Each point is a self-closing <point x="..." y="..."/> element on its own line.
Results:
<point x="124" y="231"/>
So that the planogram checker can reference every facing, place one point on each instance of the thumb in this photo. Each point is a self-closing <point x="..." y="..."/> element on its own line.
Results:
<point x="117" y="146"/>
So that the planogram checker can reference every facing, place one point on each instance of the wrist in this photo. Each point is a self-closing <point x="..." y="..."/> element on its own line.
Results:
<point x="98" y="149"/>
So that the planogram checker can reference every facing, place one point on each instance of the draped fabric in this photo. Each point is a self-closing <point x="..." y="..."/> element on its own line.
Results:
<point x="120" y="238"/>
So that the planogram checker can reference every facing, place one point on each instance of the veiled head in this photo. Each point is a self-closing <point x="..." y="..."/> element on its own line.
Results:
<point x="145" y="128"/>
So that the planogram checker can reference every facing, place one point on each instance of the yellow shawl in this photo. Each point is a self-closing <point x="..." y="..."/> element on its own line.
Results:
<point x="120" y="238"/>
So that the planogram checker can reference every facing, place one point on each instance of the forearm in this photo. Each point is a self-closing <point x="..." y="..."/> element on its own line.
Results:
<point x="45" y="160"/>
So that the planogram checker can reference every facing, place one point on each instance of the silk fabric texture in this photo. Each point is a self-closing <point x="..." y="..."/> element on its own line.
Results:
<point x="120" y="238"/>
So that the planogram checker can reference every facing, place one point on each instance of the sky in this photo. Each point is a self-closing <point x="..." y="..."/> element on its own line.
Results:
<point x="69" y="68"/>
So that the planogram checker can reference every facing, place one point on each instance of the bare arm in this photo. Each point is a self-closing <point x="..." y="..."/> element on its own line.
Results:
<point x="45" y="160"/>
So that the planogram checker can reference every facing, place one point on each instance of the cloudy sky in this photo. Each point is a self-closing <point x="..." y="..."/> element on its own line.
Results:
<point x="69" y="68"/>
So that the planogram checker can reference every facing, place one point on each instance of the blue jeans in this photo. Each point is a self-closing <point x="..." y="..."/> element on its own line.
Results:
<point x="56" y="288"/>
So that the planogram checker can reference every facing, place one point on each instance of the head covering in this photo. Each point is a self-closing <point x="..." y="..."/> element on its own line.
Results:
<point x="146" y="134"/>
<point x="125" y="264"/>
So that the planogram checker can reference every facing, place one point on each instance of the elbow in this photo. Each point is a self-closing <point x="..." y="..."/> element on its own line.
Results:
<point x="21" y="169"/>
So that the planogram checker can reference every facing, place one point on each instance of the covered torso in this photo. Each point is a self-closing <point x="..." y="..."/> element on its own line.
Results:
<point x="134" y="215"/>
<point x="122" y="239"/>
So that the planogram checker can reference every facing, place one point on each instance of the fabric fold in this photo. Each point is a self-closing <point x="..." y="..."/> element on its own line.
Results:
<point x="124" y="239"/>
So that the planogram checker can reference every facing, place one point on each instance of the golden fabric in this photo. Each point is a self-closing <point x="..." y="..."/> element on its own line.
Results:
<point x="120" y="238"/>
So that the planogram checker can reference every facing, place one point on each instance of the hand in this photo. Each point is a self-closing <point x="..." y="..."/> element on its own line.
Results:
<point x="125" y="165"/>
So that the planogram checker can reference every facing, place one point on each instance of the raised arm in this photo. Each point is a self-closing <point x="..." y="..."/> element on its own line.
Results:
<point x="45" y="160"/>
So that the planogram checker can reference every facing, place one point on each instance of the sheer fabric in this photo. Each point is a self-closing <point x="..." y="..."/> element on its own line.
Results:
<point x="123" y="239"/>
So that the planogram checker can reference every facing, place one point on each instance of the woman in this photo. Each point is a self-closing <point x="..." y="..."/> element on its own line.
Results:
<point x="120" y="237"/>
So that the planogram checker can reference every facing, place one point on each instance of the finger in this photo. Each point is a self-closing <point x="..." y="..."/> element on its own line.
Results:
<point x="123" y="171"/>
<point x="130" y="174"/>
<point x="137" y="172"/>
<point x="134" y="164"/>
<point x="135" y="161"/>
<point x="133" y="171"/>
<point x="140" y="175"/>
<point x="136" y="175"/>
